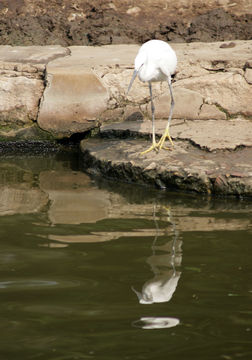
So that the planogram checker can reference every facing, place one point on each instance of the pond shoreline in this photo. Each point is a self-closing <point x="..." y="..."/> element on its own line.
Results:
<point x="117" y="158"/>
<point x="54" y="96"/>
<point x="185" y="168"/>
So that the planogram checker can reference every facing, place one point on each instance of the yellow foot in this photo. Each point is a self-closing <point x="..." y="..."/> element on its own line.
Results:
<point x="160" y="145"/>
<point x="162" y="140"/>
<point x="153" y="147"/>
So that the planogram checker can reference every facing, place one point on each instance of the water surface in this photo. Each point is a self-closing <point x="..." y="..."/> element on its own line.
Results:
<point x="92" y="269"/>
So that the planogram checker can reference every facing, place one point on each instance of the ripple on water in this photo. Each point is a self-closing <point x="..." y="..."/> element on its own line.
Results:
<point x="23" y="284"/>
<point x="38" y="284"/>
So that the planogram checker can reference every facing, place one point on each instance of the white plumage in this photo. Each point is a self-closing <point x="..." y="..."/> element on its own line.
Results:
<point x="156" y="61"/>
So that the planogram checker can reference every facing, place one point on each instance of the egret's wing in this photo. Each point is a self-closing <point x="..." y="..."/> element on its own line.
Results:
<point x="168" y="63"/>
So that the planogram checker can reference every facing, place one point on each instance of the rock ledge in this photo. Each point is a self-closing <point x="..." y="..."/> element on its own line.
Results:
<point x="188" y="167"/>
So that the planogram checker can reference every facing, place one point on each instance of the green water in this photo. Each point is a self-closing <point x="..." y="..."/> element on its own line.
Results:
<point x="91" y="269"/>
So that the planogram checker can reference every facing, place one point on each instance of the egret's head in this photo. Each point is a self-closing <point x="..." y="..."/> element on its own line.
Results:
<point x="143" y="298"/>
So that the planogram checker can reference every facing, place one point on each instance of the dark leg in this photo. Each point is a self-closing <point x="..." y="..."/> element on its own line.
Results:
<point x="167" y="133"/>
<point x="154" y="144"/>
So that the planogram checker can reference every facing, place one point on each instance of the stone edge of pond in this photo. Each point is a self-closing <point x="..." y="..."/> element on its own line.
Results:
<point x="103" y="157"/>
<point x="28" y="147"/>
<point x="32" y="140"/>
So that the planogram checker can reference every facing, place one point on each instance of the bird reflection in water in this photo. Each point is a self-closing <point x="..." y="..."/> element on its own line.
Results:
<point x="150" y="323"/>
<point x="163" y="262"/>
<point x="162" y="286"/>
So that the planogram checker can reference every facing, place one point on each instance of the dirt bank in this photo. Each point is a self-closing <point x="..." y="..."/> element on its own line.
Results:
<point x="100" y="22"/>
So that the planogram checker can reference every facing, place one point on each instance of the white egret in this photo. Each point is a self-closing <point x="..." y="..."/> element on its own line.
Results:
<point x="156" y="61"/>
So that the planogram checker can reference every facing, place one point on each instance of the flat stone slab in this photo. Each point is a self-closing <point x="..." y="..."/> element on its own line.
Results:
<point x="74" y="96"/>
<point x="31" y="54"/>
<point x="210" y="135"/>
<point x="71" y="94"/>
<point x="187" y="167"/>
